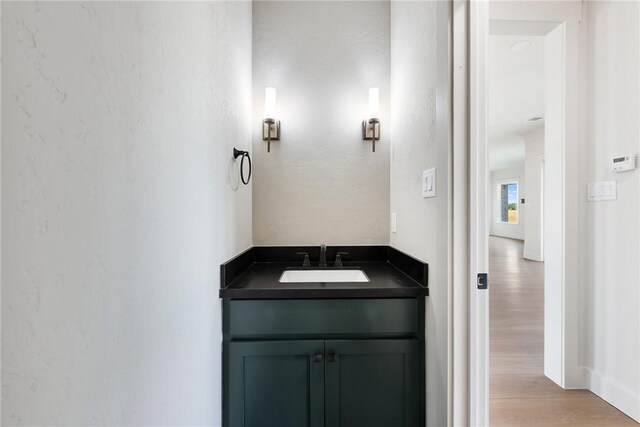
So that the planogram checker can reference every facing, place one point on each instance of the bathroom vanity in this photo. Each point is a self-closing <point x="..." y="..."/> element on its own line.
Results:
<point x="323" y="353"/>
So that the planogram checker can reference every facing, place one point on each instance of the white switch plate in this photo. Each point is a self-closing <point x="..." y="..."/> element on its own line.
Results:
<point x="429" y="183"/>
<point x="394" y="222"/>
<point x="604" y="190"/>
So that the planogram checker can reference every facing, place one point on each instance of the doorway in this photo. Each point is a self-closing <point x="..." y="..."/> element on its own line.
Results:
<point x="563" y="241"/>
<point x="532" y="377"/>
<point x="561" y="129"/>
<point x="515" y="144"/>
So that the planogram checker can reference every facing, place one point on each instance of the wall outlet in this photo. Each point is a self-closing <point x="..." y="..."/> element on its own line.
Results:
<point x="429" y="183"/>
<point x="394" y="222"/>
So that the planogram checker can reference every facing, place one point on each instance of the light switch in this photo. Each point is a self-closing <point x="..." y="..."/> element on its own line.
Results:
<point x="429" y="183"/>
<point x="394" y="222"/>
<point x="604" y="190"/>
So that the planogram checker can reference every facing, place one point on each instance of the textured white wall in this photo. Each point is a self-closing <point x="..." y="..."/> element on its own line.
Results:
<point x="613" y="228"/>
<point x="420" y="141"/>
<point x="117" y="209"/>
<point x="501" y="176"/>
<point x="321" y="183"/>
<point x="533" y="172"/>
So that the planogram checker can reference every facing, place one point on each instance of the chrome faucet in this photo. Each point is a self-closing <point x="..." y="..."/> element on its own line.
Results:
<point x="323" y="256"/>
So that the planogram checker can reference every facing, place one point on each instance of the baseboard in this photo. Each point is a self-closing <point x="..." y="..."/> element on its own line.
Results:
<point x="577" y="378"/>
<point x="520" y="239"/>
<point x="531" y="257"/>
<point x="616" y="394"/>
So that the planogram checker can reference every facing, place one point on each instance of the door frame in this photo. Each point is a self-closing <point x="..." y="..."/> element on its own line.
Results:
<point x="469" y="359"/>
<point x="561" y="355"/>
<point x="480" y="204"/>
<point x="470" y="351"/>
<point x="460" y="354"/>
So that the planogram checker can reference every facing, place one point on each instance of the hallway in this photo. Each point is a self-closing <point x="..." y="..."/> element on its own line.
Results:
<point x="520" y="394"/>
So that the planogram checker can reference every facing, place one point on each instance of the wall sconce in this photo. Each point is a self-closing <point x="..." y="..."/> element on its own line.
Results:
<point x="371" y="126"/>
<point x="270" y="126"/>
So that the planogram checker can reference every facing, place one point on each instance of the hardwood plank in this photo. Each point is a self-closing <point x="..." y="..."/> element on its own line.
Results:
<point x="504" y="386"/>
<point x="518" y="348"/>
<point x="519" y="393"/>
<point x="524" y="365"/>
<point x="583" y="411"/>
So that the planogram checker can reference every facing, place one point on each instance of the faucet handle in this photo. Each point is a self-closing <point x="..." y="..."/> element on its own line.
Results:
<point x="338" y="262"/>
<point x="306" y="262"/>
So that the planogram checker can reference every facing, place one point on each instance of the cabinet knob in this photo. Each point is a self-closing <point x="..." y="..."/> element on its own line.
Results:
<point x="317" y="358"/>
<point x="332" y="357"/>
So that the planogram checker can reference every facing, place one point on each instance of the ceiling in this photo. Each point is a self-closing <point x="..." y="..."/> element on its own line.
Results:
<point x="515" y="95"/>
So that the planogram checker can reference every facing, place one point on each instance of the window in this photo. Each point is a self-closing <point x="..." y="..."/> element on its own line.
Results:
<point x="508" y="202"/>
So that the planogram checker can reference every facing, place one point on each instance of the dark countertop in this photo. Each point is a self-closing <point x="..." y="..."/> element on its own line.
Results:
<point x="260" y="280"/>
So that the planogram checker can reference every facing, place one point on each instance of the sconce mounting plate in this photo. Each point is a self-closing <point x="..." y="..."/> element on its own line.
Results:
<point x="370" y="130"/>
<point x="275" y="130"/>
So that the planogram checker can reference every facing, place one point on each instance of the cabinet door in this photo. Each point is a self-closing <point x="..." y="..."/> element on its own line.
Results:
<point x="276" y="383"/>
<point x="372" y="383"/>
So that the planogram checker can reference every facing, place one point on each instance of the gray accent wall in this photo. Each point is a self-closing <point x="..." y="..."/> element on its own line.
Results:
<point x="321" y="183"/>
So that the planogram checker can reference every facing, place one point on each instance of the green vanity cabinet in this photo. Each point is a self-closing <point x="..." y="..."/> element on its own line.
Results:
<point x="372" y="383"/>
<point x="276" y="383"/>
<point x="347" y="363"/>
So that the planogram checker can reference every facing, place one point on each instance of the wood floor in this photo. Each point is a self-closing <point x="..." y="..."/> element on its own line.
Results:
<point x="520" y="394"/>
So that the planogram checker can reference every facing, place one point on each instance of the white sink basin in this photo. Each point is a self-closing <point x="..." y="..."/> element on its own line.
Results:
<point x="323" y="276"/>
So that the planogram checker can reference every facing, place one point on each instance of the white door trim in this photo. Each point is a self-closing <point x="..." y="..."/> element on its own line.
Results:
<point x="480" y="202"/>
<point x="470" y="305"/>
<point x="561" y="288"/>
<point x="459" y="354"/>
<point x="469" y="356"/>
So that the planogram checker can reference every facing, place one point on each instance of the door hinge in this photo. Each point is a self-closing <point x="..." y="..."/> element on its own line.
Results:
<point x="483" y="280"/>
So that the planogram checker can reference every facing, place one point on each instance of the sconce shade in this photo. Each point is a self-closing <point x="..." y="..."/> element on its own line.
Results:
<point x="270" y="103"/>
<point x="374" y="103"/>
